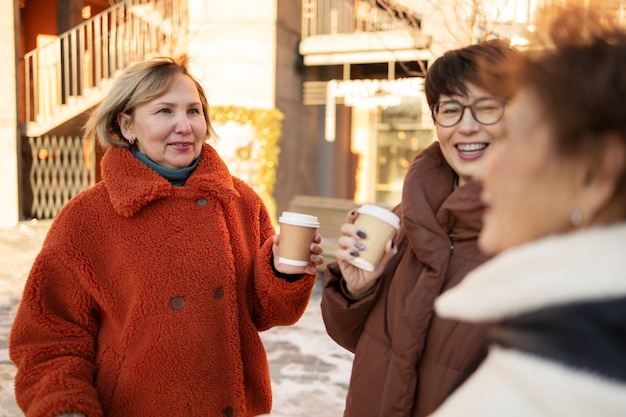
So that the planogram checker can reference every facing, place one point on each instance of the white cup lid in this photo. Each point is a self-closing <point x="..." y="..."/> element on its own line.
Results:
<point x="299" y="219"/>
<point x="380" y="213"/>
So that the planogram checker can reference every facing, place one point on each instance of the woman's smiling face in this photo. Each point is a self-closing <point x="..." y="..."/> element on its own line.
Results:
<point x="465" y="144"/>
<point x="529" y="191"/>
<point x="171" y="128"/>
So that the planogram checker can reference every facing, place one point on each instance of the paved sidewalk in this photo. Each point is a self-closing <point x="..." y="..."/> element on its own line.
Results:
<point x="309" y="371"/>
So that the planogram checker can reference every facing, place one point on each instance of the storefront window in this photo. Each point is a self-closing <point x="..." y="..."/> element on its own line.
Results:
<point x="401" y="133"/>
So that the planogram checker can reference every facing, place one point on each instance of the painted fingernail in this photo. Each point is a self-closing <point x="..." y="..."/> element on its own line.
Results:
<point x="354" y="253"/>
<point x="359" y="245"/>
<point x="353" y="213"/>
<point x="361" y="234"/>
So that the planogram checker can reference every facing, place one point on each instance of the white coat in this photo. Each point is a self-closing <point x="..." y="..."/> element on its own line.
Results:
<point x="553" y="273"/>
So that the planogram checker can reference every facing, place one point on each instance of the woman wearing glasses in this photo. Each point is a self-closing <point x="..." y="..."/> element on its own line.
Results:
<point x="406" y="359"/>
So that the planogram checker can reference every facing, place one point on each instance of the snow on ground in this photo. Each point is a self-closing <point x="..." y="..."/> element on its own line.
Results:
<point x="309" y="371"/>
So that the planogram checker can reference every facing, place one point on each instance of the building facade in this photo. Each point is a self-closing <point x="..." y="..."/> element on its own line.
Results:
<point x="365" y="63"/>
<point x="309" y="97"/>
<point x="63" y="54"/>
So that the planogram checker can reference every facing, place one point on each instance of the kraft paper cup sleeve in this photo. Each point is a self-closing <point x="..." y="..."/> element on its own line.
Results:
<point x="380" y="225"/>
<point x="296" y="235"/>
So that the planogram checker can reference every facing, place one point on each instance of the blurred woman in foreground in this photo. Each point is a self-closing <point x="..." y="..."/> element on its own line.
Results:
<point x="555" y="197"/>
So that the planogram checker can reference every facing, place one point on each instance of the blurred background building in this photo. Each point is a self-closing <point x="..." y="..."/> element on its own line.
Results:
<point x="321" y="98"/>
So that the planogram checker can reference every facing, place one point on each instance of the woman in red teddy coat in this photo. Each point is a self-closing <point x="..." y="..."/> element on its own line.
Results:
<point x="151" y="287"/>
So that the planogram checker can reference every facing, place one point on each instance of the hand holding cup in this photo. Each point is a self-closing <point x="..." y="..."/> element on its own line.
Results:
<point x="297" y="248"/>
<point x="366" y="245"/>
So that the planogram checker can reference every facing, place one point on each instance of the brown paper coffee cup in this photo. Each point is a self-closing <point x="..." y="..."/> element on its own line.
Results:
<point x="379" y="225"/>
<point x="297" y="231"/>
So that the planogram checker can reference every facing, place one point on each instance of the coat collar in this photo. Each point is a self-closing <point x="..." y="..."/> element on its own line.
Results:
<point x="433" y="211"/>
<point x="595" y="328"/>
<point x="131" y="184"/>
<point x="584" y="265"/>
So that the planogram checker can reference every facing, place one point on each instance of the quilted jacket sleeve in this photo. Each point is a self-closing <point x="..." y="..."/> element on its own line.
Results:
<point x="344" y="318"/>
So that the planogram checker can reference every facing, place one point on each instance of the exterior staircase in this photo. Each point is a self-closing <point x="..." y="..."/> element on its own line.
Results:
<point x="70" y="74"/>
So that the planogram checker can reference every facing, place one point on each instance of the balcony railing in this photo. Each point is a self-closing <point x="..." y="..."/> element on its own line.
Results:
<point x="68" y="75"/>
<point x="329" y="17"/>
<point x="516" y="26"/>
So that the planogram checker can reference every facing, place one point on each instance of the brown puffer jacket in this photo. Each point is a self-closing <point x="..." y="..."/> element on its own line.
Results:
<point x="406" y="359"/>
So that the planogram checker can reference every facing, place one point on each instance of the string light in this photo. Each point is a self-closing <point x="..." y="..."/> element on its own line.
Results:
<point x="267" y="127"/>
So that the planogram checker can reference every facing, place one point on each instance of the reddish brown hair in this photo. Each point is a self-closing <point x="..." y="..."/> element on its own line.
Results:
<point x="578" y="72"/>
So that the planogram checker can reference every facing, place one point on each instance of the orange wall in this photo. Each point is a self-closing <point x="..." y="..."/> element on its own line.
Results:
<point x="40" y="17"/>
<point x="96" y="6"/>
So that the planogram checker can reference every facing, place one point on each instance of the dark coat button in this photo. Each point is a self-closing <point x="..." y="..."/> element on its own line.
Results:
<point x="201" y="202"/>
<point x="177" y="303"/>
<point x="228" y="412"/>
<point x="218" y="293"/>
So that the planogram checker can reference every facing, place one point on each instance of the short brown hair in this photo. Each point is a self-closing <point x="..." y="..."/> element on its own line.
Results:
<point x="479" y="64"/>
<point x="139" y="83"/>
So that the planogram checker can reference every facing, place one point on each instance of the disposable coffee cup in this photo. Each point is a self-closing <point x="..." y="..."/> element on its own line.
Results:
<point x="379" y="225"/>
<point x="297" y="231"/>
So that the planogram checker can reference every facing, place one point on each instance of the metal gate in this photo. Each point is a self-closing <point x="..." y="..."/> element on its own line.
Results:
<point x="62" y="166"/>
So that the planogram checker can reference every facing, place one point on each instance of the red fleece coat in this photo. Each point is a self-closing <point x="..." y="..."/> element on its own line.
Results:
<point x="146" y="299"/>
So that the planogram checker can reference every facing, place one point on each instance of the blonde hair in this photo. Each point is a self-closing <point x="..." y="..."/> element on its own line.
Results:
<point x="139" y="83"/>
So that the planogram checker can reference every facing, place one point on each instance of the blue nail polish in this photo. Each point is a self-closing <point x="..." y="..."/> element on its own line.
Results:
<point x="359" y="245"/>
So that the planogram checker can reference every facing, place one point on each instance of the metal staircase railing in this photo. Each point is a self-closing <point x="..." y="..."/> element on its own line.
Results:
<point x="69" y="75"/>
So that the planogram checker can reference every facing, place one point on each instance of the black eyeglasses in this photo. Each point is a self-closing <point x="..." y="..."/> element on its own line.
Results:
<point x="486" y="111"/>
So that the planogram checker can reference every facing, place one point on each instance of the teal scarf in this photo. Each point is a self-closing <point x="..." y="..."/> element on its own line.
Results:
<point x="176" y="177"/>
